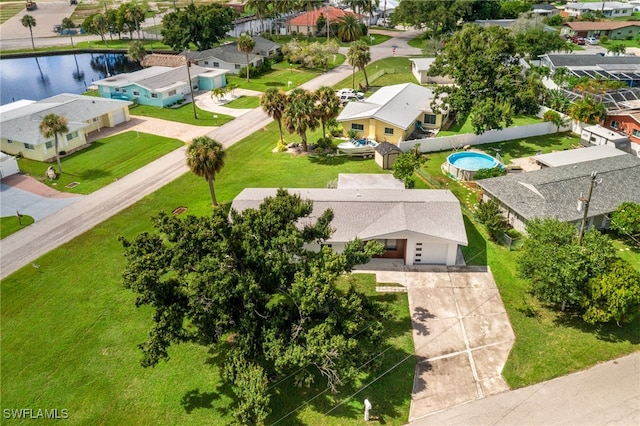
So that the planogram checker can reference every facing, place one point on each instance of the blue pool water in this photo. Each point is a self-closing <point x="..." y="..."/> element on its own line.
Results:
<point x="472" y="161"/>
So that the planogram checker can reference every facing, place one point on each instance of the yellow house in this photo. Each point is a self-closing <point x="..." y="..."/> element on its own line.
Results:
<point x="20" y="123"/>
<point x="392" y="113"/>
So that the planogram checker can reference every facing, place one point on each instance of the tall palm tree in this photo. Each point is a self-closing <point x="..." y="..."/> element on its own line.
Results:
<point x="361" y="57"/>
<point x="588" y="110"/>
<point x="349" y="28"/>
<point x="560" y="76"/>
<point x="245" y="45"/>
<point x="29" y="21"/>
<point x="54" y="125"/>
<point x="327" y="106"/>
<point x="262" y="9"/>
<point x="299" y="114"/>
<point x="274" y="102"/>
<point x="136" y="51"/>
<point x="68" y="24"/>
<point x="205" y="158"/>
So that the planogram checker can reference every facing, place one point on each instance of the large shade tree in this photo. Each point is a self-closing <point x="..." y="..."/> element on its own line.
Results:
<point x="202" y="25"/>
<point x="274" y="103"/>
<point x="244" y="285"/>
<point x="484" y="63"/>
<point x="29" y="21"/>
<point x="299" y="114"/>
<point x="96" y="24"/>
<point x="205" y="158"/>
<point x="245" y="44"/>
<point x="53" y="125"/>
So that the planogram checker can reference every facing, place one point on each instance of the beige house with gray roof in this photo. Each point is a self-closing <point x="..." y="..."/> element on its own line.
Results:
<point x="420" y="226"/>
<point x="20" y="123"/>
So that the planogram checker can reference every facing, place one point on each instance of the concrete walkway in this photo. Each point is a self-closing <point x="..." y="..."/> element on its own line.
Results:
<point x="461" y="333"/>
<point x="207" y="103"/>
<point x="607" y="394"/>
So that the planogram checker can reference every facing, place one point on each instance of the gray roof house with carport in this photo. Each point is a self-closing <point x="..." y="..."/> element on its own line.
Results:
<point x="228" y="57"/>
<point x="554" y="192"/>
<point x="419" y="226"/>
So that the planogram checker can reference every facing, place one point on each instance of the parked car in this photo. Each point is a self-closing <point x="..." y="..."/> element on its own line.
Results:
<point x="578" y="40"/>
<point x="592" y="40"/>
<point x="350" y="96"/>
<point x="57" y="28"/>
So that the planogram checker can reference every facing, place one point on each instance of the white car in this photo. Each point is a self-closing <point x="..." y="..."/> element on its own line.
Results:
<point x="592" y="40"/>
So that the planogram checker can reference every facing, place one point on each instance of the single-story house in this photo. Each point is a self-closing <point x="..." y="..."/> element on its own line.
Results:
<point x="614" y="30"/>
<point x="420" y="68"/>
<point x="8" y="165"/>
<point x="227" y="57"/>
<point x="621" y="68"/>
<point x="20" y="125"/>
<point x="306" y="23"/>
<point x="628" y="122"/>
<point x="544" y="9"/>
<point x="392" y="113"/>
<point x="160" y="86"/>
<point x="555" y="192"/>
<point x="598" y="135"/>
<point x="420" y="226"/>
<point x="573" y="156"/>
<point x="386" y="154"/>
<point x="610" y="9"/>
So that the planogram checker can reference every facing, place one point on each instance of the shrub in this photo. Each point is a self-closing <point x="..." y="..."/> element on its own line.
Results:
<point x="604" y="39"/>
<point x="364" y="29"/>
<point x="555" y="20"/>
<point x="282" y="146"/>
<point x="489" y="215"/>
<point x="352" y="134"/>
<point x="324" y="143"/>
<point x="489" y="173"/>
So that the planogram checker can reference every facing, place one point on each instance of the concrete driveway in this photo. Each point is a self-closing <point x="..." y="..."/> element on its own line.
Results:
<point x="461" y="334"/>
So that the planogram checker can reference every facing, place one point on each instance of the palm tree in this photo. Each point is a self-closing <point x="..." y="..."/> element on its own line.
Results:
<point x="100" y="25"/>
<point x="29" y="21"/>
<point x="274" y="103"/>
<point x="136" y="51"/>
<point x="349" y="28"/>
<point x="557" y="100"/>
<point x="245" y="45"/>
<point x="588" y="110"/>
<point x="327" y="106"/>
<point x="205" y="158"/>
<point x="299" y="114"/>
<point x="560" y="76"/>
<point x="54" y="125"/>
<point x="359" y="56"/>
<point x="67" y="24"/>
<point x="262" y="9"/>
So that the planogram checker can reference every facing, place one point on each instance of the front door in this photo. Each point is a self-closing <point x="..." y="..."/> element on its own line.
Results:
<point x="394" y="249"/>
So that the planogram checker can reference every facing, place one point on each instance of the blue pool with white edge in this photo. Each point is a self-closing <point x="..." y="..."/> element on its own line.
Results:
<point x="464" y="165"/>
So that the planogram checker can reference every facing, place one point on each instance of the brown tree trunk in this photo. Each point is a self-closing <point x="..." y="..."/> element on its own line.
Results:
<point x="212" y="191"/>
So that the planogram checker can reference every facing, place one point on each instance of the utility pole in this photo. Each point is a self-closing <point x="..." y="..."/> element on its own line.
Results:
<point x="193" y="99"/>
<point x="585" y="204"/>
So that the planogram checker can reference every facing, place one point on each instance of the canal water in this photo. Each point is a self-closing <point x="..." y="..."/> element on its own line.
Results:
<point x="37" y="78"/>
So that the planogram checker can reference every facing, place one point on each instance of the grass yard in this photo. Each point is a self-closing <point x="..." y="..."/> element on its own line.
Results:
<point x="9" y="10"/>
<point x="377" y="39"/>
<point x="467" y="127"/>
<point x="116" y="43"/>
<point x="627" y="250"/>
<point x="244" y="102"/>
<point x="182" y="114"/>
<point x="103" y="162"/>
<point x="401" y="73"/>
<point x="75" y="344"/>
<point x="11" y="224"/>
<point x="281" y="75"/>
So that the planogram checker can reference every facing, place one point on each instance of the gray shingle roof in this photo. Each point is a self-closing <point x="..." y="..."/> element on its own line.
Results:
<point x="385" y="148"/>
<point x="22" y="124"/>
<point x="572" y="156"/>
<point x="374" y="213"/>
<point x="591" y="60"/>
<point x="554" y="192"/>
<point x="229" y="52"/>
<point x="368" y="181"/>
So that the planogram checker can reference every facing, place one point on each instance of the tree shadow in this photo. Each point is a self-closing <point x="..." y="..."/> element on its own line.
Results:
<point x="423" y="365"/>
<point x="274" y="83"/>
<point x="607" y="332"/>
<point x="93" y="174"/>
<point x="333" y="160"/>
<point x="195" y="399"/>
<point x="419" y="320"/>
<point x="475" y="253"/>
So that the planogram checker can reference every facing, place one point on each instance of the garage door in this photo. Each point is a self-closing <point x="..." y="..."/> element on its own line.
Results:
<point x="430" y="254"/>
<point x="119" y="117"/>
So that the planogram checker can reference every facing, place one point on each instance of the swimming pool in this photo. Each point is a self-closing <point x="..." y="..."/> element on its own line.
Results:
<point x="464" y="165"/>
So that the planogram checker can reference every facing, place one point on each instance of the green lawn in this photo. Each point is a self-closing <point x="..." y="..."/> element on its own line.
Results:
<point x="75" y="344"/>
<point x="628" y="43"/>
<point x="103" y="162"/>
<point x="377" y="39"/>
<point x="401" y="73"/>
<point x="281" y="75"/>
<point x="467" y="127"/>
<point x="244" y="102"/>
<point x="11" y="224"/>
<point x="627" y="250"/>
<point x="8" y="11"/>
<point x="182" y="114"/>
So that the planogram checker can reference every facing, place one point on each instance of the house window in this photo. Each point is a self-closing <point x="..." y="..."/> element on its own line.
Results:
<point x="388" y="131"/>
<point x="71" y="136"/>
<point x="136" y="93"/>
<point x="117" y="90"/>
<point x="358" y="127"/>
<point x="216" y="64"/>
<point x="389" y="245"/>
<point x="94" y="119"/>
<point x="49" y="145"/>
<point x="237" y="66"/>
<point x="9" y="141"/>
<point x="28" y="146"/>
<point x="124" y="90"/>
<point x="615" y="124"/>
<point x="636" y="133"/>
<point x="171" y="92"/>
<point x="206" y="62"/>
<point x="429" y="119"/>
<point x="154" y="95"/>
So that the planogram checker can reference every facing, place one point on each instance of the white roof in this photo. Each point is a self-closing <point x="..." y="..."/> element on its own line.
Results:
<point x="573" y="156"/>
<point x="605" y="133"/>
<point x="13" y="105"/>
<point x="159" y="78"/>
<point x="422" y="64"/>
<point x="368" y="181"/>
<point x="376" y="213"/>
<point x="399" y="105"/>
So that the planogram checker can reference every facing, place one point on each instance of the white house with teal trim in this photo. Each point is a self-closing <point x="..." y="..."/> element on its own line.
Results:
<point x="160" y="86"/>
